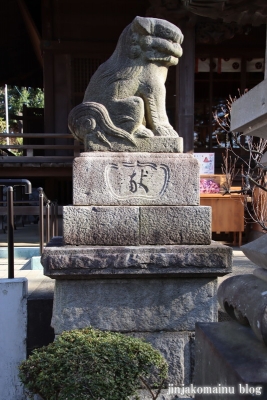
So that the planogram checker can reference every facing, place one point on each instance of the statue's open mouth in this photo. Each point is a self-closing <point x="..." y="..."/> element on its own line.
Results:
<point x="170" y="60"/>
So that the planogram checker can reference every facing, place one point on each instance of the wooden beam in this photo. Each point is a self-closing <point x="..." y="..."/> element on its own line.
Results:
<point x="242" y="12"/>
<point x="41" y="172"/>
<point x="27" y="210"/>
<point x="40" y="146"/>
<point x="47" y="19"/>
<point x="49" y="99"/>
<point x="35" y="160"/>
<point x="100" y="48"/>
<point x="13" y="79"/>
<point x="37" y="135"/>
<point x="62" y="87"/>
<point x="224" y="51"/>
<point x="32" y="30"/>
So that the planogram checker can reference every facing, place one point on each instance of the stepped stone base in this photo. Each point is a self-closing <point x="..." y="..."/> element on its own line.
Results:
<point x="136" y="254"/>
<point x="154" y="292"/>
<point x="133" y="225"/>
<point x="94" y="262"/>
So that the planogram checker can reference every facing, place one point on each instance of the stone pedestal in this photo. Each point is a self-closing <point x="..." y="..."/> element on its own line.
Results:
<point x="155" y="292"/>
<point x="136" y="255"/>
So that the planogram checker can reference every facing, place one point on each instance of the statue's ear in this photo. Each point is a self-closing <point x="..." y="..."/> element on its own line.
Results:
<point x="142" y="25"/>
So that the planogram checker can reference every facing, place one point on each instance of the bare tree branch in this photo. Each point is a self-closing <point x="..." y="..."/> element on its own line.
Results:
<point x="254" y="173"/>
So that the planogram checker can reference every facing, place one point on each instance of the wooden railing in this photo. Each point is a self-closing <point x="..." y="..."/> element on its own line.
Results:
<point x="7" y="153"/>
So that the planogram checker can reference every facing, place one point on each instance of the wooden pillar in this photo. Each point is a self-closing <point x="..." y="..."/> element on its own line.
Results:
<point x="185" y="89"/>
<point x="47" y="34"/>
<point x="62" y="77"/>
<point x="62" y="82"/>
<point x="49" y="109"/>
<point x="210" y="127"/>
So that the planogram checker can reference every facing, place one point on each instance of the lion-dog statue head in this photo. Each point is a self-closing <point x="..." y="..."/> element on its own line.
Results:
<point x="126" y="95"/>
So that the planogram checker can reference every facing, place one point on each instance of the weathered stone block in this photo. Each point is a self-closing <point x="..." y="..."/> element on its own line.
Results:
<point x="256" y="251"/>
<point x="231" y="360"/>
<point x="101" y="225"/>
<point x="134" y="305"/>
<point x="155" y="144"/>
<point x="135" y="179"/>
<point x="177" y="349"/>
<point x="90" y="262"/>
<point x="260" y="273"/>
<point x="175" y="225"/>
<point x="244" y="298"/>
<point x="125" y="226"/>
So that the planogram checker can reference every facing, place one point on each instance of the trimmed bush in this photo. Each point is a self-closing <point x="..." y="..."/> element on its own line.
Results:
<point x="90" y="364"/>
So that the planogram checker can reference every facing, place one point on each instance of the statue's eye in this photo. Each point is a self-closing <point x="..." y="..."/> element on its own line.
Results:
<point x="135" y="38"/>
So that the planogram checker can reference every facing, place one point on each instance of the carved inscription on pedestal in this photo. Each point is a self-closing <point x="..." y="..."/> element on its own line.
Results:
<point x="136" y="180"/>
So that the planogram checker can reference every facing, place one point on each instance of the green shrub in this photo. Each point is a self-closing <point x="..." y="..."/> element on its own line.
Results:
<point x="91" y="364"/>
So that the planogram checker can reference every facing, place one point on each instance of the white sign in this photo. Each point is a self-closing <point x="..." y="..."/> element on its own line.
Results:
<point x="206" y="161"/>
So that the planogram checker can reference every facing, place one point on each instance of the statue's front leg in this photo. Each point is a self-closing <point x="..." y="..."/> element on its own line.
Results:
<point x="128" y="114"/>
<point x="156" y="116"/>
<point x="165" y="130"/>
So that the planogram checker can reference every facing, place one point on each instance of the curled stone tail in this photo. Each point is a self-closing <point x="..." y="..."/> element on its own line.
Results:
<point x="91" y="117"/>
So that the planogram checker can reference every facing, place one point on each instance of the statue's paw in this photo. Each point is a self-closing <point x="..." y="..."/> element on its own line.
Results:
<point x="165" y="130"/>
<point x="143" y="132"/>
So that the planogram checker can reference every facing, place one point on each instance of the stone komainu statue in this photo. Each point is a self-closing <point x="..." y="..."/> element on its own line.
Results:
<point x="126" y="95"/>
